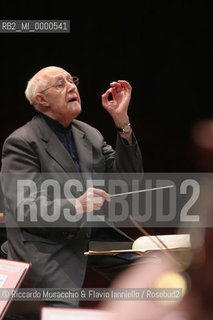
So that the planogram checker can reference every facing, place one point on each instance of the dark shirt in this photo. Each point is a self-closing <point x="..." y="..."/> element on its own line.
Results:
<point x="65" y="136"/>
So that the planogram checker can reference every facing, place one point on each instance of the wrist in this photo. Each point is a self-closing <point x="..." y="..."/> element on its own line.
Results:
<point x="121" y="121"/>
<point x="127" y="136"/>
<point x="125" y="129"/>
<point x="78" y="207"/>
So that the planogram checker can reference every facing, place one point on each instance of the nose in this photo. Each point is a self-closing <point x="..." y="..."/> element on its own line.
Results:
<point x="70" y="86"/>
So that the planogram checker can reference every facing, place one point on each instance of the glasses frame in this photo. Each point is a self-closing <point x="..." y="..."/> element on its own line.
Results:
<point x="75" y="82"/>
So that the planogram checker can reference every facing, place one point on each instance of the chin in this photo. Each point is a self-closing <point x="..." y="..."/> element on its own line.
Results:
<point x="75" y="111"/>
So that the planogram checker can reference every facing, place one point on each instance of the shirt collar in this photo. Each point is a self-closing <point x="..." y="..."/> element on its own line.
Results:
<point x="55" y="125"/>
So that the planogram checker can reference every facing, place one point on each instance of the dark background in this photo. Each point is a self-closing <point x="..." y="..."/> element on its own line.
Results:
<point x="159" y="46"/>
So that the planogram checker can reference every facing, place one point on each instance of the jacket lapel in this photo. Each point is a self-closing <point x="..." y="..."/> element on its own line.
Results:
<point x="57" y="151"/>
<point x="54" y="147"/>
<point x="84" y="149"/>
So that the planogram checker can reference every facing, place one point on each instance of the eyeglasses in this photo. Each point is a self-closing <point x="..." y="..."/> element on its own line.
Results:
<point x="61" y="84"/>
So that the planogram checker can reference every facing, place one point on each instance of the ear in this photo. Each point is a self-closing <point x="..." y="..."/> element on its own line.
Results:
<point x="40" y="99"/>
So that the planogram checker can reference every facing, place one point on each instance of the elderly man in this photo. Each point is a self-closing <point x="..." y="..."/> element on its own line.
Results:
<point x="54" y="142"/>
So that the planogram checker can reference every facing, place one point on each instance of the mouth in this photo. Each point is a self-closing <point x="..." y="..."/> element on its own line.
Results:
<point x="72" y="99"/>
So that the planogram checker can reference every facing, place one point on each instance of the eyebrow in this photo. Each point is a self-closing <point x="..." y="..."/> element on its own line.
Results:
<point x="55" y="79"/>
<point x="61" y="77"/>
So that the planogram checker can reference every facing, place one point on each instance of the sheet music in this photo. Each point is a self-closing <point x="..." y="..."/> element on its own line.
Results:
<point x="3" y="278"/>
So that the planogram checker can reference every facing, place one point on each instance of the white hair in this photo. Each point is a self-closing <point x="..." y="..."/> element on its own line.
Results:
<point x="34" y="85"/>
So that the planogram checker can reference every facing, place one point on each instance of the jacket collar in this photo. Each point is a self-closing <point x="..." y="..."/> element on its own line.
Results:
<point x="57" y="151"/>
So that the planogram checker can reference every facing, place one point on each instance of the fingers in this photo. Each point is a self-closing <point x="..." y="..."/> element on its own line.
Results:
<point x="97" y="206"/>
<point x="116" y="87"/>
<point x="121" y="84"/>
<point x="96" y="198"/>
<point x="92" y="199"/>
<point x="100" y="193"/>
<point x="105" y="96"/>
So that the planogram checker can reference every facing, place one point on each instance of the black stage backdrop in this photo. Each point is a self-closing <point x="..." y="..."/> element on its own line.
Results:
<point x="159" y="46"/>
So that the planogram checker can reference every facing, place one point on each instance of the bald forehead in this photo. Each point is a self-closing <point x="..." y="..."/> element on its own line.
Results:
<point x="51" y="73"/>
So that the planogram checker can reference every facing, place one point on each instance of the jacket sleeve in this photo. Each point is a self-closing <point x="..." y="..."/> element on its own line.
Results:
<point x="20" y="163"/>
<point x="125" y="159"/>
